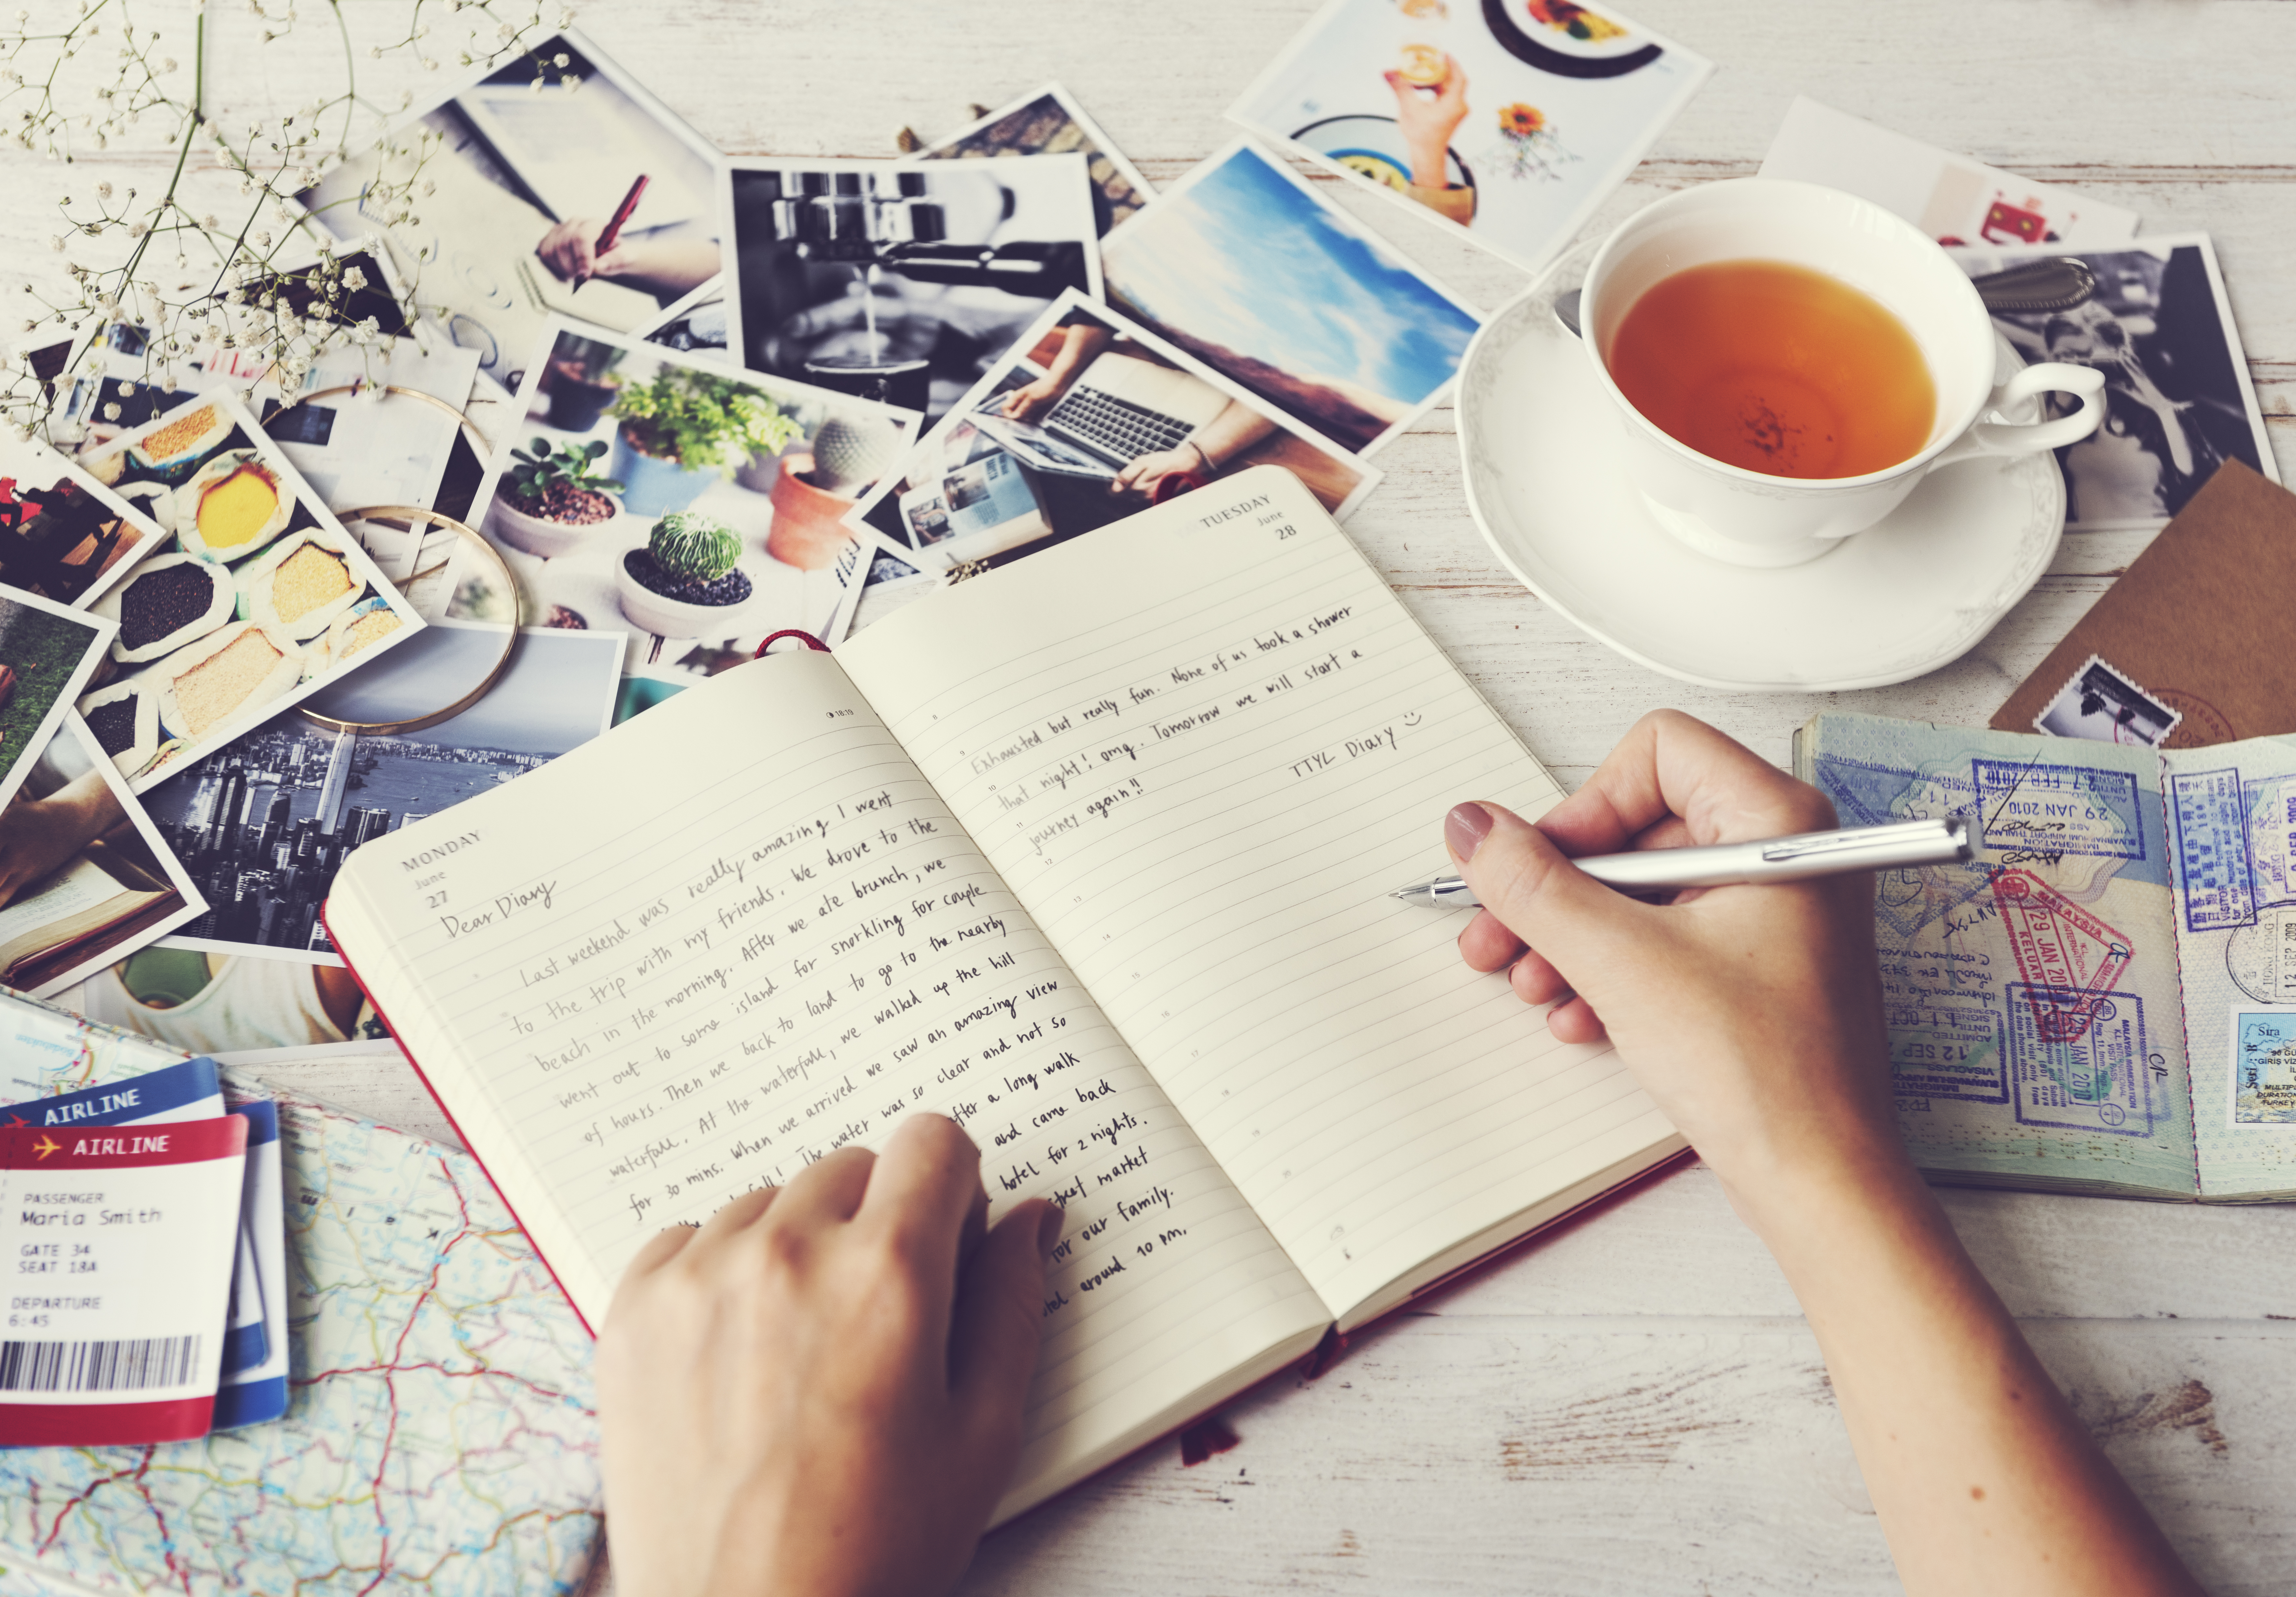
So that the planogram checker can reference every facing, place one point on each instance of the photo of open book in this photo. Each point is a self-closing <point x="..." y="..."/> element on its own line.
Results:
<point x="84" y="877"/>
<point x="1093" y="854"/>
<point x="2062" y="1009"/>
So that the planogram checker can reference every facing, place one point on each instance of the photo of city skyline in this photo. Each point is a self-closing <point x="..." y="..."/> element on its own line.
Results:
<point x="264" y="824"/>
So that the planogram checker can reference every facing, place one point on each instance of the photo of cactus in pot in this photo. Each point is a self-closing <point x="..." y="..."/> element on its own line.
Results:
<point x="682" y="430"/>
<point x="683" y="581"/>
<point x="851" y="451"/>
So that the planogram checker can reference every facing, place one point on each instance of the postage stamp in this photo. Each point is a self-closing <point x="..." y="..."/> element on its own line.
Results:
<point x="1943" y="1051"/>
<point x="2263" y="1065"/>
<point x="2068" y="957"/>
<point x="2104" y="705"/>
<point x="2100" y="1078"/>
<point x="2212" y="872"/>
<point x="1867" y="793"/>
<point x="2048" y="811"/>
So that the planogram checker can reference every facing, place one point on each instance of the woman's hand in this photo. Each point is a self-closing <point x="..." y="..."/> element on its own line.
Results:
<point x="1033" y="399"/>
<point x="1427" y="121"/>
<point x="1751" y="1014"/>
<point x="38" y="835"/>
<point x="819" y="1391"/>
<point x="1144" y="471"/>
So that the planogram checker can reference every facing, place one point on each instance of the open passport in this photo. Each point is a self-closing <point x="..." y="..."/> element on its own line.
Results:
<point x="1093" y="854"/>
<point x="2104" y="999"/>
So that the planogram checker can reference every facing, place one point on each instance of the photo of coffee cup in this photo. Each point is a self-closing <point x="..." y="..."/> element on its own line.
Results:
<point x="1789" y="361"/>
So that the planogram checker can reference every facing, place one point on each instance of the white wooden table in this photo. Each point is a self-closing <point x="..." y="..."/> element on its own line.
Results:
<point x="1634" y="1406"/>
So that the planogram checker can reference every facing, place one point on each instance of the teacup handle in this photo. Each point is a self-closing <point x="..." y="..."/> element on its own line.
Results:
<point x="1989" y="438"/>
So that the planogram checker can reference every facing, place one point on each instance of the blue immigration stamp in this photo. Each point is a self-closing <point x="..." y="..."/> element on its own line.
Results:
<point x="1947" y="1051"/>
<point x="2212" y="873"/>
<point x="2100" y="1080"/>
<point x="1872" y="793"/>
<point x="2267" y="807"/>
<point x="2036" y="810"/>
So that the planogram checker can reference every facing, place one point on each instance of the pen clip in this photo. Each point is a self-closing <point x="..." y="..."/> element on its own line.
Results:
<point x="1863" y="840"/>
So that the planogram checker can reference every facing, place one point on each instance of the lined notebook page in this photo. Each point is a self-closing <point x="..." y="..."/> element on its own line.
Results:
<point x="691" y="957"/>
<point x="1203" y="746"/>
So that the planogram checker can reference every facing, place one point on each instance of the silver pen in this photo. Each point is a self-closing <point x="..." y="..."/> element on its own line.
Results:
<point x="1771" y="859"/>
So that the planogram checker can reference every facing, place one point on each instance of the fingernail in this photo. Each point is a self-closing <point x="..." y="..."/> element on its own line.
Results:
<point x="1465" y="830"/>
<point x="1048" y="1230"/>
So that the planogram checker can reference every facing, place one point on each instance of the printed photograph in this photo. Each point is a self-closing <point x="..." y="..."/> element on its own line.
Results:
<point x="208" y="1001"/>
<point x="664" y="496"/>
<point x="1953" y="199"/>
<point x="85" y="877"/>
<point x="1050" y="122"/>
<point x="1087" y="419"/>
<point x="1510" y="120"/>
<point x="63" y="535"/>
<point x="1244" y="267"/>
<point x="900" y="281"/>
<point x="694" y="325"/>
<point x="892" y="583"/>
<point x="48" y="654"/>
<point x="2104" y="707"/>
<point x="256" y="597"/>
<point x="264" y="824"/>
<point x="356" y="450"/>
<point x="584" y="196"/>
<point x="2178" y="399"/>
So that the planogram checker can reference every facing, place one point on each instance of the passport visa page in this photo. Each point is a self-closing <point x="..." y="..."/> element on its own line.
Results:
<point x="1092" y="854"/>
<point x="2064" y="1009"/>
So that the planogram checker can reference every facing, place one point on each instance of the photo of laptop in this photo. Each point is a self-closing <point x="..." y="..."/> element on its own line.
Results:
<point x="1119" y="409"/>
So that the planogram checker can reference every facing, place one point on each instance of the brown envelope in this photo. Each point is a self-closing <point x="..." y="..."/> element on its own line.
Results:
<point x="2204" y="621"/>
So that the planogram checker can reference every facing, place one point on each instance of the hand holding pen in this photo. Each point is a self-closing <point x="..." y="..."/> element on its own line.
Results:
<point x="573" y="255"/>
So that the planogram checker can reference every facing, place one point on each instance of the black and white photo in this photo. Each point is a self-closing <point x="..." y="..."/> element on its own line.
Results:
<point x="2178" y="399"/>
<point x="900" y="282"/>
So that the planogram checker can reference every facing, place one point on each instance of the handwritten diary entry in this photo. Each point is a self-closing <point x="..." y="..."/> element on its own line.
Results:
<point x="744" y="932"/>
<point x="1203" y="746"/>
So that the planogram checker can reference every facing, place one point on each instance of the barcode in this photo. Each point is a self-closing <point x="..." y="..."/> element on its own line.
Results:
<point x="128" y="1366"/>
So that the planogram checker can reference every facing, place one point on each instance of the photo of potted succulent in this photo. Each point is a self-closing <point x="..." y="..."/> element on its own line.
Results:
<point x="812" y="495"/>
<point x="682" y="430"/>
<point x="549" y="501"/>
<point x="683" y="583"/>
<point x="575" y="382"/>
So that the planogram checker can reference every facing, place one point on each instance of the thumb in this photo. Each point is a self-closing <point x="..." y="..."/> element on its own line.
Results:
<point x="1534" y="889"/>
<point x="999" y="1308"/>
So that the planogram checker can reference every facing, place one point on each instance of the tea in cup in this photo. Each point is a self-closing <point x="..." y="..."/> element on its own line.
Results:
<point x="1789" y="361"/>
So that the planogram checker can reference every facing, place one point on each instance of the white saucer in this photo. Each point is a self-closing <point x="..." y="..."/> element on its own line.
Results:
<point x="1540" y="445"/>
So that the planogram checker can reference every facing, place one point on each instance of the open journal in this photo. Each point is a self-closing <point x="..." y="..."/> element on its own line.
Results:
<point x="1092" y="853"/>
<point x="2104" y="1000"/>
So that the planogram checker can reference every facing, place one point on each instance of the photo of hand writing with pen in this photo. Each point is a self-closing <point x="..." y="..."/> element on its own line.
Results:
<point x="555" y="183"/>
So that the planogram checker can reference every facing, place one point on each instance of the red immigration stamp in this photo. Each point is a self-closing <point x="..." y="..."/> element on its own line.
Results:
<point x="2068" y="959"/>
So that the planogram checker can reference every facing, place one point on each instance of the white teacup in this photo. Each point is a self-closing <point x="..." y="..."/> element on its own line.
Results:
<point x="1755" y="519"/>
